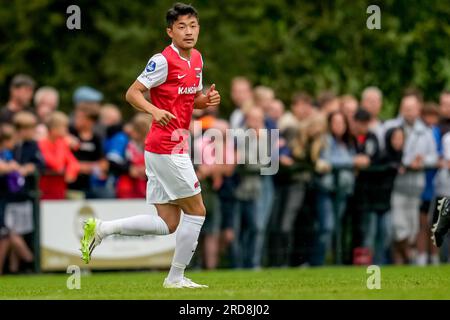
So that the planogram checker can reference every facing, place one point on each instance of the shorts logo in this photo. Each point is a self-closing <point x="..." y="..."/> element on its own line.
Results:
<point x="151" y="66"/>
<point x="196" y="185"/>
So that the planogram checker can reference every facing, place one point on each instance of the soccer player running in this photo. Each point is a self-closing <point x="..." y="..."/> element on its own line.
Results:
<point x="174" y="78"/>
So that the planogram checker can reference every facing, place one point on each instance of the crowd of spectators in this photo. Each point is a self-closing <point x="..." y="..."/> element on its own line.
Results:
<point x="350" y="189"/>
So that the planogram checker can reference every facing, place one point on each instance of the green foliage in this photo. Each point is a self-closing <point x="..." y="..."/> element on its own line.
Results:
<point x="287" y="44"/>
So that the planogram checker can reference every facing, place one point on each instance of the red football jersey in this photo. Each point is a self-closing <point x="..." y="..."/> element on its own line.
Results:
<point x="173" y="82"/>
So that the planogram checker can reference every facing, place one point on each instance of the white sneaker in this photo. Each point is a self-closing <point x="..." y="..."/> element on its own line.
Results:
<point x="183" y="283"/>
<point x="91" y="238"/>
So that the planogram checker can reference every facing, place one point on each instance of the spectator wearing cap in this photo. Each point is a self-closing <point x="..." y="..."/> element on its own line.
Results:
<point x="90" y="98"/>
<point x="87" y="94"/>
<point x="20" y="96"/>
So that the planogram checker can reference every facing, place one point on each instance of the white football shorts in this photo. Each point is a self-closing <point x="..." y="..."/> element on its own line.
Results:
<point x="170" y="177"/>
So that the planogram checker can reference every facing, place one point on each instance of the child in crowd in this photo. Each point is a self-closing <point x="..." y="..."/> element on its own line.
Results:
<point x="8" y="167"/>
<point x="60" y="164"/>
<point x="19" y="207"/>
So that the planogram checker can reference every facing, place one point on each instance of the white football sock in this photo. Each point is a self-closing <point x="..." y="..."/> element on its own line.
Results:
<point x="134" y="226"/>
<point x="186" y="243"/>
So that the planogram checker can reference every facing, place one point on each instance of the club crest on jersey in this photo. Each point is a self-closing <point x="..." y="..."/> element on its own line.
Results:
<point x="187" y="90"/>
<point x="151" y="66"/>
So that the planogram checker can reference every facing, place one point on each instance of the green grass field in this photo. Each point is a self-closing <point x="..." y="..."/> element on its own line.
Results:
<point x="317" y="283"/>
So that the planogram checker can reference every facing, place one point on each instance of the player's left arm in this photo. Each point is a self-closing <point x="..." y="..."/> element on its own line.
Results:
<point x="211" y="98"/>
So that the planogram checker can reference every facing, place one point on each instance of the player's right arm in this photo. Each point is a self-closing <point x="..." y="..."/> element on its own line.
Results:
<point x="154" y="74"/>
<point x="135" y="97"/>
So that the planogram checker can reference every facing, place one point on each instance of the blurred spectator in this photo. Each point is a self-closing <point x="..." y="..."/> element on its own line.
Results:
<point x="217" y="163"/>
<point x="444" y="110"/>
<point x="7" y="167"/>
<point x="12" y="179"/>
<point x="115" y="145"/>
<point x="276" y="111"/>
<point x="247" y="193"/>
<point x="442" y="180"/>
<point x="301" y="109"/>
<point x="19" y="209"/>
<point x="46" y="101"/>
<point x="87" y="95"/>
<point x="61" y="165"/>
<point x="132" y="183"/>
<point x="430" y="116"/>
<point x="349" y="106"/>
<point x="87" y="148"/>
<point x="367" y="153"/>
<point x="372" y="102"/>
<point x="227" y="199"/>
<point x="300" y="156"/>
<point x="20" y="96"/>
<point x="379" y="221"/>
<point x="208" y="117"/>
<point x="419" y="152"/>
<point x="26" y="151"/>
<point x="263" y="97"/>
<point x="241" y="95"/>
<point x="328" y="102"/>
<point x="334" y="187"/>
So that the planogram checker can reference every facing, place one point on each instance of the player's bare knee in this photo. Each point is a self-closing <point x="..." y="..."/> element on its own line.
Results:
<point x="198" y="209"/>
<point x="172" y="225"/>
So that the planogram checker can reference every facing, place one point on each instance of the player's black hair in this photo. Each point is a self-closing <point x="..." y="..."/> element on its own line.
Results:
<point x="362" y="115"/>
<point x="179" y="9"/>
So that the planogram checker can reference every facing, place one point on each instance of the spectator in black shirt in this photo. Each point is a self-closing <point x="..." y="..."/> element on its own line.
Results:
<point x="367" y="153"/>
<point x="19" y="207"/>
<point x="87" y="148"/>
